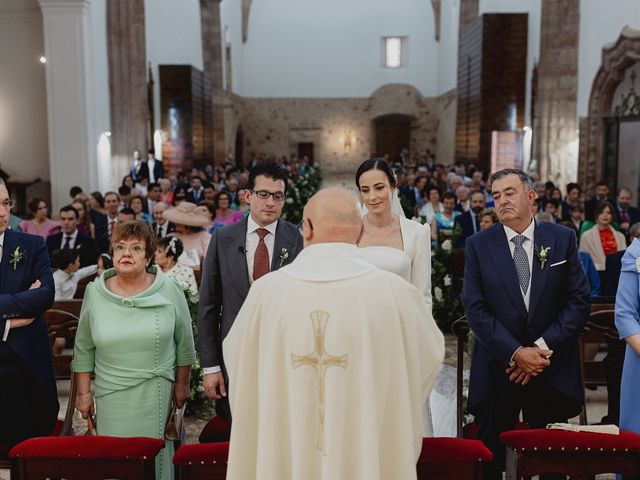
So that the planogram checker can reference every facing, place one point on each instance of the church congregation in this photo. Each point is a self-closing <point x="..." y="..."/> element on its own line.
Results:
<point x="276" y="240"/>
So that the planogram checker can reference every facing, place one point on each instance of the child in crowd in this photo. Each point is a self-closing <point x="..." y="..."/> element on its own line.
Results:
<point x="69" y="273"/>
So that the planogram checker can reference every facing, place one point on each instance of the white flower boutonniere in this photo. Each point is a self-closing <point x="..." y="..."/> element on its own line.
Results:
<point x="284" y="254"/>
<point x="543" y="255"/>
<point x="16" y="256"/>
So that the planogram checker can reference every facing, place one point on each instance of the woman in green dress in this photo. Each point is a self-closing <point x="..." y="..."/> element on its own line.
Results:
<point x="135" y="334"/>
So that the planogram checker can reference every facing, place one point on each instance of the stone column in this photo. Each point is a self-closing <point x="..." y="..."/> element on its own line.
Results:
<point x="72" y="153"/>
<point x="556" y="124"/>
<point x="127" y="82"/>
<point x="212" y="61"/>
<point x="468" y="11"/>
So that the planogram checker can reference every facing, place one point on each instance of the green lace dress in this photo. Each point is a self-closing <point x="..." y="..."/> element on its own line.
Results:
<point x="134" y="345"/>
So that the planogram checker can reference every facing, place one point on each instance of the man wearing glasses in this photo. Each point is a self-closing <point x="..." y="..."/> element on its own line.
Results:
<point x="29" y="400"/>
<point x="238" y="255"/>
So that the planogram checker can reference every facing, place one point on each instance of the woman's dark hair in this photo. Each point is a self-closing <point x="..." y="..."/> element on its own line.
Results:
<point x="220" y="194"/>
<point x="107" y="261"/>
<point x="211" y="207"/>
<point x="34" y="203"/>
<point x="135" y="230"/>
<point x="431" y="187"/>
<point x="172" y="246"/>
<point x="97" y="196"/>
<point x="136" y="197"/>
<point x="64" y="257"/>
<point x="449" y="195"/>
<point x="489" y="212"/>
<point x="601" y="208"/>
<point x="376" y="164"/>
<point x="267" y="169"/>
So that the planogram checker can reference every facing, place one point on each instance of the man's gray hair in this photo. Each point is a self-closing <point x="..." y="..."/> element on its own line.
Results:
<point x="524" y="178"/>
<point x="634" y="230"/>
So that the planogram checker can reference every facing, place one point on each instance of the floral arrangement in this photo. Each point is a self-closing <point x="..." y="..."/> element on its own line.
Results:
<point x="447" y="307"/>
<point x="299" y="191"/>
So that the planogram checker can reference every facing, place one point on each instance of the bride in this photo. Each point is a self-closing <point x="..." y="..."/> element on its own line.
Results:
<point x="389" y="240"/>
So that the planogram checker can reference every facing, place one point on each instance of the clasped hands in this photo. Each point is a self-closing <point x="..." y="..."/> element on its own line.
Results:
<point x="23" y="322"/>
<point x="528" y="362"/>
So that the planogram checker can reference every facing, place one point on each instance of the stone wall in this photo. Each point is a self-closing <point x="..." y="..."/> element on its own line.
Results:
<point x="274" y="126"/>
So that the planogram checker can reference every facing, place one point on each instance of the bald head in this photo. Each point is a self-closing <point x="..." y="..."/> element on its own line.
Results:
<point x="332" y="215"/>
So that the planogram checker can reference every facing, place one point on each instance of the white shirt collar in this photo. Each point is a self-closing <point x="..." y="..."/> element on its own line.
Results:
<point x="73" y="236"/>
<point x="528" y="232"/>
<point x="252" y="226"/>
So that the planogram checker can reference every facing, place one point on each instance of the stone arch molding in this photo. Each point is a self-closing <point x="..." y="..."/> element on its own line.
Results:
<point x="616" y="58"/>
<point x="395" y="99"/>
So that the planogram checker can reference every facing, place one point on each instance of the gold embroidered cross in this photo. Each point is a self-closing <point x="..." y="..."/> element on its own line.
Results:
<point x="320" y="360"/>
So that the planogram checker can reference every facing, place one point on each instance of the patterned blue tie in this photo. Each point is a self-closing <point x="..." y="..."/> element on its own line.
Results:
<point x="522" y="263"/>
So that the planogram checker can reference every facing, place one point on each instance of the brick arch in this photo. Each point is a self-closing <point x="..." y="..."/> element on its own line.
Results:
<point x="616" y="58"/>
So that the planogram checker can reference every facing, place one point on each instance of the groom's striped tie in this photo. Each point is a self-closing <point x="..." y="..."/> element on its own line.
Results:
<point x="522" y="263"/>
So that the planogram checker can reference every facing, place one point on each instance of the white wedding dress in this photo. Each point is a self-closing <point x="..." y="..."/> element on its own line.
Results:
<point x="413" y="263"/>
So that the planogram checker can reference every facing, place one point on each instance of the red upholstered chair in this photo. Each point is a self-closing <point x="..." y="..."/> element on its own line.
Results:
<point x="206" y="461"/>
<point x="216" y="430"/>
<point x="86" y="458"/>
<point x="452" y="458"/>
<point x="577" y="454"/>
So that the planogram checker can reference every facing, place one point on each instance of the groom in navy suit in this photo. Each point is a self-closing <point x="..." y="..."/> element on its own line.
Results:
<point x="28" y="396"/>
<point x="526" y="298"/>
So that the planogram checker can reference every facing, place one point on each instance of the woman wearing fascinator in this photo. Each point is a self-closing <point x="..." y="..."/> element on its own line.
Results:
<point x="389" y="240"/>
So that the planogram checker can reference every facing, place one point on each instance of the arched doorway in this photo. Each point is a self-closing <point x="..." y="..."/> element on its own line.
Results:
<point x="599" y="131"/>
<point x="392" y="134"/>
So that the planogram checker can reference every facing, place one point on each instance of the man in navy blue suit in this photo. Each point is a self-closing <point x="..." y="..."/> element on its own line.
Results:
<point x="526" y="298"/>
<point x="28" y="396"/>
<point x="469" y="222"/>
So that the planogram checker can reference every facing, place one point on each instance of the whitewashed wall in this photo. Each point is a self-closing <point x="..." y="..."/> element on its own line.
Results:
<point x="24" y="151"/>
<point x="309" y="48"/>
<point x="173" y="37"/>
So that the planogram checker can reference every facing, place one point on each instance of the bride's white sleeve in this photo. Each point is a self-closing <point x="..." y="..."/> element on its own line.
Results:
<point x="421" y="264"/>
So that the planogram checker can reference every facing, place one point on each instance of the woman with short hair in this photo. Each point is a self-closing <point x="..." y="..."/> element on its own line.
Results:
<point x="135" y="334"/>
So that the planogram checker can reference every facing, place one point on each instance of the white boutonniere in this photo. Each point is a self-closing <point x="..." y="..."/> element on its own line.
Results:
<point x="543" y="255"/>
<point x="78" y="246"/>
<point x="284" y="254"/>
<point x="16" y="256"/>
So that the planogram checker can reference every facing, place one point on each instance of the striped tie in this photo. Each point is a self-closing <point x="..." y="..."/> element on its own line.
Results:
<point x="522" y="263"/>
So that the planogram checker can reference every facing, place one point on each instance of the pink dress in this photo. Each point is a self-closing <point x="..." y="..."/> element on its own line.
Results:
<point x="49" y="227"/>
<point x="228" y="218"/>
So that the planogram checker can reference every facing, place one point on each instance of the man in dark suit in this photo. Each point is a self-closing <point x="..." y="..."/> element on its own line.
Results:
<point x="602" y="195"/>
<point x="196" y="192"/>
<point x="161" y="225"/>
<point x="526" y="298"/>
<point x="155" y="169"/>
<point x="139" y="169"/>
<point x="625" y="214"/>
<point x="28" y="398"/>
<point x="154" y="195"/>
<point x="469" y="222"/>
<point x="71" y="238"/>
<point x="239" y="254"/>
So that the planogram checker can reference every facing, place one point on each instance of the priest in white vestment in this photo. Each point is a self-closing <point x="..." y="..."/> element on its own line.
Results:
<point x="330" y="362"/>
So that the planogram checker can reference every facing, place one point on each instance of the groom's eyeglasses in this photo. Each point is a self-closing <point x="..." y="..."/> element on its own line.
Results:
<point x="264" y="195"/>
<point x="8" y="204"/>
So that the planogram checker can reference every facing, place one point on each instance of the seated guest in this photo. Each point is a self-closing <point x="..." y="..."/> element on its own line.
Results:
<point x="124" y="192"/>
<point x="104" y="263"/>
<point x="135" y="334"/>
<point x="85" y="226"/>
<point x="161" y="226"/>
<point x="576" y="216"/>
<point x="625" y="214"/>
<point x="463" y="196"/>
<point x="126" y="215"/>
<point x="602" y="240"/>
<point x="551" y="207"/>
<point x="601" y="195"/>
<point x="614" y="263"/>
<point x="71" y="238"/>
<point x="243" y="206"/>
<point x="432" y="205"/>
<point x="225" y="215"/>
<point x="168" y="250"/>
<point x="574" y="192"/>
<point x="544" y="217"/>
<point x="137" y="205"/>
<point x="190" y="221"/>
<point x="40" y="224"/>
<point x="587" y="264"/>
<point x="69" y="273"/>
<point x="443" y="222"/>
<point x="488" y="218"/>
<point x="326" y="430"/>
<point x="196" y="192"/>
<point x="96" y="203"/>
<point x="469" y="221"/>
